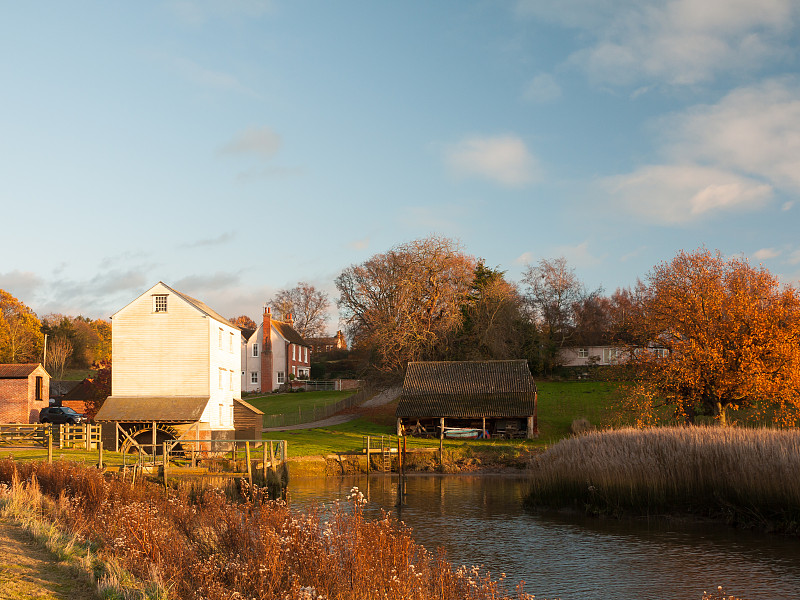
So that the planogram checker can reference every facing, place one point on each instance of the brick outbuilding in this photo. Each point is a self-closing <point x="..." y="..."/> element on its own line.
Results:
<point x="24" y="391"/>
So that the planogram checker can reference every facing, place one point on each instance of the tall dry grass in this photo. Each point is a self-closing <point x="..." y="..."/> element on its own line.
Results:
<point x="200" y="544"/>
<point x="748" y="476"/>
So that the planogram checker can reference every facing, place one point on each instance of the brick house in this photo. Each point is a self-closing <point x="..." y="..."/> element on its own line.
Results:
<point x="24" y="392"/>
<point x="322" y="345"/>
<point x="273" y="355"/>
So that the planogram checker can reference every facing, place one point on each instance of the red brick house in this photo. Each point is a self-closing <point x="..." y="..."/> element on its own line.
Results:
<point x="24" y="391"/>
<point x="273" y="355"/>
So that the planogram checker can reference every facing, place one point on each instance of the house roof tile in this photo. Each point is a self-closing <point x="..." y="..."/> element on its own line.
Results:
<point x="132" y="408"/>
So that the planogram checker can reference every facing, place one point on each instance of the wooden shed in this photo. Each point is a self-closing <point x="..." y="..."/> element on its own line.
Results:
<point x="248" y="420"/>
<point x="496" y="398"/>
<point x="24" y="392"/>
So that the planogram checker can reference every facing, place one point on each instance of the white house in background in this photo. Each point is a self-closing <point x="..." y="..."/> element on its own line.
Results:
<point x="176" y="362"/>
<point x="273" y="359"/>
<point x="591" y="355"/>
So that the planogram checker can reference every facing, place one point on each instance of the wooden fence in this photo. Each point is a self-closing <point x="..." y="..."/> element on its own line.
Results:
<point x="23" y="434"/>
<point x="83" y="435"/>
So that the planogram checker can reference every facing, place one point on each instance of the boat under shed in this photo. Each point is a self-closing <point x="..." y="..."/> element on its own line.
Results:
<point x="496" y="398"/>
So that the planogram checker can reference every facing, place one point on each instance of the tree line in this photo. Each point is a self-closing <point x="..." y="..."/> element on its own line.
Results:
<point x="72" y="342"/>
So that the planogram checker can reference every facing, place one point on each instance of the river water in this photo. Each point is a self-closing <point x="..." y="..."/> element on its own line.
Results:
<point x="479" y="520"/>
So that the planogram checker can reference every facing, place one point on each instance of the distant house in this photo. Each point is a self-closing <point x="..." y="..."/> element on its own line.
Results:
<point x="322" y="345"/>
<point x="495" y="396"/>
<point x="176" y="373"/>
<point x="24" y="391"/>
<point x="273" y="355"/>
<point x="591" y="355"/>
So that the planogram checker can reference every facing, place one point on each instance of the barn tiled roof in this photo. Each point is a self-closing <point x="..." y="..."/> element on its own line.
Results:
<point x="131" y="408"/>
<point x="17" y="371"/>
<point x="468" y="389"/>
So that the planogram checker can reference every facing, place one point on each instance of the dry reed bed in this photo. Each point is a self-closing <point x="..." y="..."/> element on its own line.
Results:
<point x="748" y="476"/>
<point x="200" y="544"/>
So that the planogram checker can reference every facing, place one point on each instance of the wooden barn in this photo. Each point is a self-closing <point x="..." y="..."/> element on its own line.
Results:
<point x="493" y="398"/>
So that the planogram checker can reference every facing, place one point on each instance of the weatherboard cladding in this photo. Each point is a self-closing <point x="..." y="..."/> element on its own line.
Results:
<point x="468" y="389"/>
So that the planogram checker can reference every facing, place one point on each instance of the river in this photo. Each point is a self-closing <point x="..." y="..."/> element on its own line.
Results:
<point x="479" y="520"/>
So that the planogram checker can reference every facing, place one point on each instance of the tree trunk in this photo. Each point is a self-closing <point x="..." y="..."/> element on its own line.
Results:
<point x="721" y="415"/>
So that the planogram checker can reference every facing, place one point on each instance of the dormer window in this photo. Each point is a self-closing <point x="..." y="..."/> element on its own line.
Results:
<point x="160" y="303"/>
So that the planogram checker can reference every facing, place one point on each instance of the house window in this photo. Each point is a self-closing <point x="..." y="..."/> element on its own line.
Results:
<point x="221" y="371"/>
<point x="610" y="355"/>
<point x="220" y="338"/>
<point x="39" y="388"/>
<point x="221" y="414"/>
<point x="253" y="376"/>
<point x="159" y="302"/>
<point x="281" y="377"/>
<point x="230" y="381"/>
<point x="230" y="343"/>
<point x="583" y="353"/>
<point x="255" y="349"/>
<point x="305" y="354"/>
<point x="294" y="349"/>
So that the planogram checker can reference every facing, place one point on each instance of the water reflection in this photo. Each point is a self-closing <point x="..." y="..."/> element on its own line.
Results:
<point x="479" y="520"/>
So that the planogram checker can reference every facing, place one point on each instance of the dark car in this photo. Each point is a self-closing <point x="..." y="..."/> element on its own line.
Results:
<point x="59" y="414"/>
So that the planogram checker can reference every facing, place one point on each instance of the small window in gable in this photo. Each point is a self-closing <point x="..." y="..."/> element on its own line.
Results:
<point x="160" y="303"/>
<point x="255" y="349"/>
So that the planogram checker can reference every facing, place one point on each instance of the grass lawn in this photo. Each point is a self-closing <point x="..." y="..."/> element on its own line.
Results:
<point x="559" y="404"/>
<point x="279" y="404"/>
<point x="111" y="459"/>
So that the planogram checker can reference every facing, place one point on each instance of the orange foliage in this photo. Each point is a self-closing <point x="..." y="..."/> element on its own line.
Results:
<point x="731" y="335"/>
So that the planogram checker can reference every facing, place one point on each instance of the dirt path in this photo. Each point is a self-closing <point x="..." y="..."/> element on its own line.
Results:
<point x="29" y="571"/>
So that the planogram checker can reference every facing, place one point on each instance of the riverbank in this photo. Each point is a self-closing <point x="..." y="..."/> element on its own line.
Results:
<point x="745" y="477"/>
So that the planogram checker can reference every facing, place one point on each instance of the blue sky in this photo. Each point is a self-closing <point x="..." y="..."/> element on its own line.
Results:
<point x="231" y="148"/>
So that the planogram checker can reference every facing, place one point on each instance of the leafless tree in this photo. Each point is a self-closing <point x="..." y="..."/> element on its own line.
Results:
<point x="308" y="307"/>
<point x="58" y="351"/>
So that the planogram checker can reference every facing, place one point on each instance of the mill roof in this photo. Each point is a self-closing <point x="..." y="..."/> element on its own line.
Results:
<point x="468" y="389"/>
<point x="132" y="408"/>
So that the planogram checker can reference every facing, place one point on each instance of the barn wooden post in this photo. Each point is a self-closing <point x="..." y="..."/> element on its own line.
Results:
<point x="100" y="454"/>
<point x="154" y="441"/>
<point x="399" y="427"/>
<point x="165" y="459"/>
<point x="441" y="427"/>
<point x="531" y="432"/>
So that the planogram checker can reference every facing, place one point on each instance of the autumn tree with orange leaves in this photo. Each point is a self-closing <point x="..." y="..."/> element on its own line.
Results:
<point x="716" y="335"/>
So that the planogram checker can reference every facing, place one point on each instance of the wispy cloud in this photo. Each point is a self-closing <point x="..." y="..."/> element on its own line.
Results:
<point x="578" y="255"/>
<point x="543" y="88"/>
<point x="23" y="285"/>
<point x="766" y="253"/>
<point x="671" y="194"/>
<point x="209" y="78"/>
<point x="677" y="42"/>
<point x="501" y="159"/>
<point x="259" y="141"/>
<point x="215" y="241"/>
<point x="361" y="244"/>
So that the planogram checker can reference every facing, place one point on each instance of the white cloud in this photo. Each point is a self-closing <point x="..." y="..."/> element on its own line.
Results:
<point x="794" y="258"/>
<point x="787" y="205"/>
<point x="677" y="42"/>
<point x="766" y="253"/>
<point x="361" y="244"/>
<point x="543" y="88"/>
<point x="753" y="130"/>
<point x="261" y="141"/>
<point x="525" y="258"/>
<point x="208" y="78"/>
<point x="503" y="159"/>
<point x="223" y="238"/>
<point x="578" y="255"/>
<point x="671" y="194"/>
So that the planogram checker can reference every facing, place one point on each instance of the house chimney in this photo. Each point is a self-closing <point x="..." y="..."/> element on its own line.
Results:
<point x="266" y="351"/>
<point x="290" y="320"/>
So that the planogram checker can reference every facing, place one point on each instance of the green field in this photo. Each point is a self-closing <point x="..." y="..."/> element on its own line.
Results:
<point x="559" y="404"/>
<point x="280" y="404"/>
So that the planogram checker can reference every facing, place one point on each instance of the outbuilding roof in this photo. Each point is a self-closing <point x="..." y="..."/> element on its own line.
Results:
<point x="468" y="389"/>
<point x="131" y="408"/>
<point x="289" y="333"/>
<point x="17" y="371"/>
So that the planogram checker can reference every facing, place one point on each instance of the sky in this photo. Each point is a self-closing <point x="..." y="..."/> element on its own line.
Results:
<point x="232" y="148"/>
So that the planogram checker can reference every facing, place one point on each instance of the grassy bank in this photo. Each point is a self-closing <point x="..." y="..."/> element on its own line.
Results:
<point x="280" y="404"/>
<point x="200" y="544"/>
<point x="746" y="476"/>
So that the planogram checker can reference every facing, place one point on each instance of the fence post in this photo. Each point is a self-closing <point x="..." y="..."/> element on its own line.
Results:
<point x="87" y="429"/>
<point x="166" y="461"/>
<point x="368" y="468"/>
<point x="100" y="454"/>
<point x="50" y="446"/>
